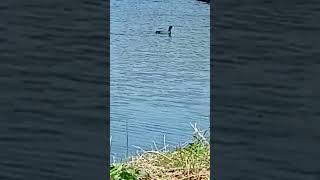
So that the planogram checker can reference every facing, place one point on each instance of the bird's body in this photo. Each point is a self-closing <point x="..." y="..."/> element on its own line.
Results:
<point x="165" y="32"/>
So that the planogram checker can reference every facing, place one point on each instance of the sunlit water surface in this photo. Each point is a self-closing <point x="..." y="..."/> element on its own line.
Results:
<point x="159" y="84"/>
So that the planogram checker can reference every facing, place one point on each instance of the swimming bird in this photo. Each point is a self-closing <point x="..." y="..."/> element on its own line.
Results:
<point x="165" y="32"/>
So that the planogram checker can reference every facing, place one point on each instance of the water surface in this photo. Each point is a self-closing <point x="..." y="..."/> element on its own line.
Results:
<point x="53" y="91"/>
<point x="159" y="84"/>
<point x="265" y="90"/>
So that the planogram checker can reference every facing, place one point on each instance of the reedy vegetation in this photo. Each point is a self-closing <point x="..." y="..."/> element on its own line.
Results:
<point x="189" y="161"/>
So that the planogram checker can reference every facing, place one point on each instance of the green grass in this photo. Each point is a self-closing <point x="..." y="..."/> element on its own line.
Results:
<point x="191" y="161"/>
<point x="123" y="171"/>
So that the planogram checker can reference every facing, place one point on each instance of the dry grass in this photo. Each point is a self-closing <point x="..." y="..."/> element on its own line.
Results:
<point x="189" y="162"/>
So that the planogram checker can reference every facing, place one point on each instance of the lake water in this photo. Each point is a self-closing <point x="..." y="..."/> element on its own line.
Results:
<point x="266" y="90"/>
<point x="53" y="93"/>
<point x="159" y="84"/>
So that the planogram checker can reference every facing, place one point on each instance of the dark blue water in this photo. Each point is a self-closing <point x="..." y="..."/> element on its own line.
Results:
<point x="266" y="93"/>
<point x="159" y="84"/>
<point x="52" y="90"/>
<point x="266" y="90"/>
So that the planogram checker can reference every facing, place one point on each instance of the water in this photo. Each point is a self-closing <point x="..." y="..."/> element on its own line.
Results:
<point x="53" y="92"/>
<point x="266" y="90"/>
<point x="159" y="84"/>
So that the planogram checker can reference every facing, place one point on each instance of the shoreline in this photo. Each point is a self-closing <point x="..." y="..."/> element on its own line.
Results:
<point x="191" y="161"/>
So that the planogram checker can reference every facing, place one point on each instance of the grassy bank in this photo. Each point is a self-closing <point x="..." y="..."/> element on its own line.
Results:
<point x="190" y="161"/>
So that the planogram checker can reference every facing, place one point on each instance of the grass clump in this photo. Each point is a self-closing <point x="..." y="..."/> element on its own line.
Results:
<point x="123" y="171"/>
<point x="190" y="162"/>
